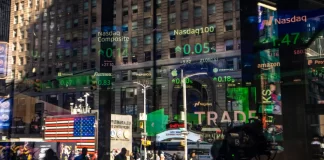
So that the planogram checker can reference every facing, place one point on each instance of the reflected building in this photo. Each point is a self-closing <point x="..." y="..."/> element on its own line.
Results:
<point x="49" y="39"/>
<point x="174" y="17"/>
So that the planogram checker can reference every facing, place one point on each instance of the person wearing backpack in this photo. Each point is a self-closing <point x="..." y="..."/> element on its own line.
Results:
<point x="83" y="155"/>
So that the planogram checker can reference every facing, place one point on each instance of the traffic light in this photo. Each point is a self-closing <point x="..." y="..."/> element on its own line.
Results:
<point x="182" y="143"/>
<point x="146" y="143"/>
<point x="93" y="79"/>
<point x="37" y="85"/>
<point x="141" y="125"/>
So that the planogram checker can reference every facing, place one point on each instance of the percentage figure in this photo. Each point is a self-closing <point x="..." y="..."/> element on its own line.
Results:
<point x="188" y="81"/>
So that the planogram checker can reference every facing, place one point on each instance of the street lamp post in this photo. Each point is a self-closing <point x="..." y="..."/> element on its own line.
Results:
<point x="145" y="117"/>
<point x="184" y="93"/>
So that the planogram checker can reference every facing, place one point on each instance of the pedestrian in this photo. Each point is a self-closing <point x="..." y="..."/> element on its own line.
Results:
<point x="83" y="155"/>
<point x="174" y="156"/>
<point x="122" y="155"/>
<point x="162" y="157"/>
<point x="193" y="156"/>
<point x="50" y="155"/>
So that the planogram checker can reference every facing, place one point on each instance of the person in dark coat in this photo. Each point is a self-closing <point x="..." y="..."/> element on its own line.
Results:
<point x="50" y="155"/>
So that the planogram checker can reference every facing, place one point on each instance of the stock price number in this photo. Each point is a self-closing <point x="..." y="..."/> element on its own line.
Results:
<point x="197" y="49"/>
<point x="103" y="82"/>
<point x="224" y="79"/>
<point x="287" y="39"/>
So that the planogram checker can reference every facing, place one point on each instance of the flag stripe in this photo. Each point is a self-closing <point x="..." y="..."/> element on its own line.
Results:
<point x="67" y="127"/>
<point x="58" y="125"/>
<point x="55" y="122"/>
<point x="58" y="130"/>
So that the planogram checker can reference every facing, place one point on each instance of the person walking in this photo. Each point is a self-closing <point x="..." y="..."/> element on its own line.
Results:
<point x="50" y="155"/>
<point x="122" y="155"/>
<point x="83" y="155"/>
<point x="193" y="156"/>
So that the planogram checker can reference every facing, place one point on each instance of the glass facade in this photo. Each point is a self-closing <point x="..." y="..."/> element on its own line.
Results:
<point x="161" y="79"/>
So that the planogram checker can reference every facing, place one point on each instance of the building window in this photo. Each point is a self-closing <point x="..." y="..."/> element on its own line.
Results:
<point x="93" y="3"/>
<point x="230" y="63"/>
<point x="172" y="18"/>
<point x="16" y="7"/>
<point x="184" y="16"/>
<point x="158" y="37"/>
<point x="86" y="5"/>
<point x="16" y="20"/>
<point x="67" y="67"/>
<point x="21" y="61"/>
<point x="134" y="26"/>
<point x="158" y="20"/>
<point x="125" y="27"/>
<point x="238" y="43"/>
<point x="147" y="22"/>
<point x="147" y="56"/>
<point x="75" y="52"/>
<point x="14" y="33"/>
<point x="172" y="53"/>
<point x="124" y="75"/>
<point x="228" y="25"/>
<point x="68" y="24"/>
<point x="93" y="64"/>
<point x="13" y="59"/>
<point x="94" y="33"/>
<point x="94" y="19"/>
<point x="171" y="2"/>
<point x="67" y="53"/>
<point x="134" y="9"/>
<point x="211" y="9"/>
<point x="93" y="48"/>
<point x="158" y="54"/>
<point x="49" y="70"/>
<point x="172" y="36"/>
<point x="22" y="5"/>
<point x="134" y="75"/>
<point x="228" y="6"/>
<point x="125" y="44"/>
<point x="75" y="36"/>
<point x="147" y="6"/>
<point x="229" y="45"/>
<point x="237" y="4"/>
<point x="50" y="55"/>
<point x="134" y="58"/>
<point x="75" y="23"/>
<point x="147" y="39"/>
<point x="85" y="50"/>
<point x="22" y="34"/>
<point x="85" y="20"/>
<point x="44" y="26"/>
<point x="125" y="11"/>
<point x="238" y="24"/>
<point x="212" y="28"/>
<point x="134" y="42"/>
<point x="74" y="66"/>
<point x="84" y="65"/>
<point x="158" y="3"/>
<point x="197" y="12"/>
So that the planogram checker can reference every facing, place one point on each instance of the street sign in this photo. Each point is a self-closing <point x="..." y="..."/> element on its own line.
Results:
<point x="142" y="117"/>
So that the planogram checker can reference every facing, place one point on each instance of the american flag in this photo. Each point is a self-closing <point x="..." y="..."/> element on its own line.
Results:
<point x="79" y="130"/>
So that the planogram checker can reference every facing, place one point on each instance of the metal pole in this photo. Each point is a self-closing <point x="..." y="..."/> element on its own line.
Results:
<point x="145" y="136"/>
<point x="184" y="90"/>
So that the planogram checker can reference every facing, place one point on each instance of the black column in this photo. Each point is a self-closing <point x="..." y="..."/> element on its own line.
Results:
<point x="293" y="90"/>
<point x="249" y="50"/>
<point x="105" y="92"/>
